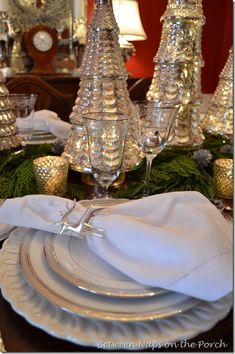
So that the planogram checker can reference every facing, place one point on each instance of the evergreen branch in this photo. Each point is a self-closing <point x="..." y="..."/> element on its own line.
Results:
<point x="25" y="179"/>
<point x="173" y="170"/>
<point x="76" y="191"/>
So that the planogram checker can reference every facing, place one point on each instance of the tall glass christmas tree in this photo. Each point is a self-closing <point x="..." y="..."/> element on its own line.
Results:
<point x="219" y="118"/>
<point x="9" y="139"/>
<point x="177" y="74"/>
<point x="103" y="88"/>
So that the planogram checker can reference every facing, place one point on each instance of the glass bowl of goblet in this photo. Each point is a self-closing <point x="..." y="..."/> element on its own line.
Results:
<point x="107" y="134"/>
<point x="155" y="122"/>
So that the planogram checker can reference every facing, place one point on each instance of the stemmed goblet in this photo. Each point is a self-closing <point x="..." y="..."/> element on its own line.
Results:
<point x="23" y="105"/>
<point x="155" y="123"/>
<point x="106" y="141"/>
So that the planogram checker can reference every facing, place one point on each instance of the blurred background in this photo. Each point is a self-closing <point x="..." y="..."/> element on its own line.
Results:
<point x="217" y="38"/>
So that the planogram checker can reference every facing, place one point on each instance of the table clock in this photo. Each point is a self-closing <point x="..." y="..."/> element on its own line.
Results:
<point x="41" y="42"/>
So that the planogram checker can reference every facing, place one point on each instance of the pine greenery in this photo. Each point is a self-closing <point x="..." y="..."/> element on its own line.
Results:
<point x="177" y="171"/>
<point x="172" y="171"/>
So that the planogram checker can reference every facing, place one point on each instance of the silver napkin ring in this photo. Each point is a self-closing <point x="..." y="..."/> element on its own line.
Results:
<point x="82" y="228"/>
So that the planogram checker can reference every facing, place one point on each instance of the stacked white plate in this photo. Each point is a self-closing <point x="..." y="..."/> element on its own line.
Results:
<point x="41" y="137"/>
<point x="59" y="285"/>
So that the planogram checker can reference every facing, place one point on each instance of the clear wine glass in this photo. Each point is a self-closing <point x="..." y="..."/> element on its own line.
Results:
<point x="155" y="123"/>
<point x="23" y="106"/>
<point x="106" y="141"/>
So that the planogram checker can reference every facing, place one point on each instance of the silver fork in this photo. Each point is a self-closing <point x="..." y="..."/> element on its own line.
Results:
<point x="83" y="226"/>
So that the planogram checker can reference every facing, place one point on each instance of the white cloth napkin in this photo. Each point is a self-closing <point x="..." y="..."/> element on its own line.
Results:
<point x="177" y="241"/>
<point x="48" y="121"/>
<point x="38" y="211"/>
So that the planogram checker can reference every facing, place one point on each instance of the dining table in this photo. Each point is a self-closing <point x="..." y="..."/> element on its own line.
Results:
<point x="19" y="335"/>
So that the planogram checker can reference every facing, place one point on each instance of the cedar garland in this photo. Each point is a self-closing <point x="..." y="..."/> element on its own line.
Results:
<point x="172" y="171"/>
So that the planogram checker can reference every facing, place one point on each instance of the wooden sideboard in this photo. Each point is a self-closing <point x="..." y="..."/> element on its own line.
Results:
<point x="67" y="86"/>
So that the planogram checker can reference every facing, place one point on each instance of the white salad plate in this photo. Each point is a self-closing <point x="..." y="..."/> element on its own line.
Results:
<point x="49" y="317"/>
<point x="71" y="258"/>
<point x="69" y="297"/>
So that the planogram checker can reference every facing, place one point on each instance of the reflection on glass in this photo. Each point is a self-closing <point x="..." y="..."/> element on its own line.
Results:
<point x="106" y="139"/>
<point x="155" y="131"/>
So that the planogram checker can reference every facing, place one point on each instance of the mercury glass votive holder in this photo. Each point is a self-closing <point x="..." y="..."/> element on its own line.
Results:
<point x="223" y="178"/>
<point x="51" y="174"/>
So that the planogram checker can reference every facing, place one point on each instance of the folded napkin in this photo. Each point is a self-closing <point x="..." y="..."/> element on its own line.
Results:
<point x="177" y="241"/>
<point x="48" y="121"/>
<point x="37" y="211"/>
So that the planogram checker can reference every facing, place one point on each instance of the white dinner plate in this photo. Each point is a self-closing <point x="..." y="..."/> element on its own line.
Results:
<point x="71" y="298"/>
<point x="71" y="258"/>
<point x="91" y="332"/>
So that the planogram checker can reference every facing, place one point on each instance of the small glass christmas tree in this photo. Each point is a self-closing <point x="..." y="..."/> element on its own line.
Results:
<point x="9" y="139"/>
<point x="177" y="74"/>
<point x="219" y="118"/>
<point x="103" y="88"/>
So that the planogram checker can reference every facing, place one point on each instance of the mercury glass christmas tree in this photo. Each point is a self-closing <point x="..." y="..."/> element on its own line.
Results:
<point x="177" y="74"/>
<point x="219" y="118"/>
<point x="103" y="88"/>
<point x="9" y="139"/>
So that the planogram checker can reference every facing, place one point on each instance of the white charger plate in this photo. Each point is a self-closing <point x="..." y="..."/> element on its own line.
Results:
<point x="91" y="332"/>
<point x="69" y="297"/>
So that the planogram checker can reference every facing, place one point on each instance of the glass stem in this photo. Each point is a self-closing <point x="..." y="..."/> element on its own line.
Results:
<point x="97" y="193"/>
<point x="101" y="192"/>
<point x="106" y="192"/>
<point x="149" y="160"/>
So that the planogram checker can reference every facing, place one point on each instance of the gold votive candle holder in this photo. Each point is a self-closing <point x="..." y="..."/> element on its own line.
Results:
<point x="51" y="173"/>
<point x="223" y="178"/>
